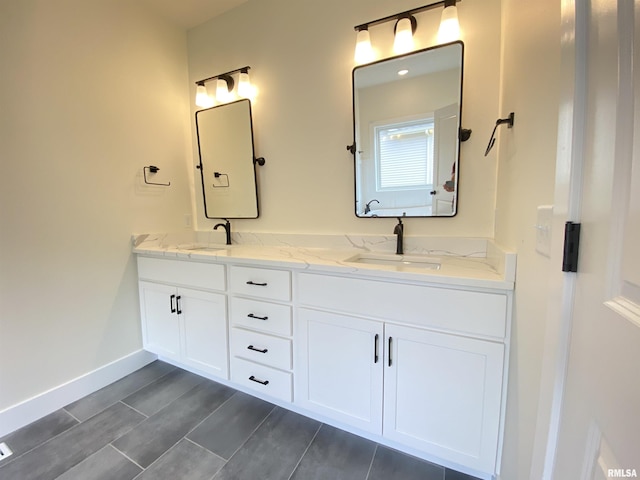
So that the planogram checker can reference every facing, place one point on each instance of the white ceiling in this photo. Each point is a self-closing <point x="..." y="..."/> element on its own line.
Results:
<point x="189" y="13"/>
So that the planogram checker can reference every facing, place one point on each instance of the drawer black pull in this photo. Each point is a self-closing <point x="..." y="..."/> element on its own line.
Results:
<point x="171" y="299"/>
<point x="251" y="347"/>
<point x="257" y="284"/>
<point x="251" y="315"/>
<point x="254" y="379"/>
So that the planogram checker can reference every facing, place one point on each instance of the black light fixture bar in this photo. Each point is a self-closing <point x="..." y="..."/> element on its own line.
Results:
<point x="223" y="75"/>
<point x="408" y="13"/>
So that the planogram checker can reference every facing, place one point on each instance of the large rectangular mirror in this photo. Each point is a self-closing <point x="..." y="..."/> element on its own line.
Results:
<point x="406" y="117"/>
<point x="227" y="168"/>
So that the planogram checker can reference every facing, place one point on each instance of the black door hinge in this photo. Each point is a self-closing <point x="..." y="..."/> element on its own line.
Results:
<point x="571" y="247"/>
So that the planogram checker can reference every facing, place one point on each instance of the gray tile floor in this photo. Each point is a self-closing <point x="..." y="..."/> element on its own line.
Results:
<point x="164" y="423"/>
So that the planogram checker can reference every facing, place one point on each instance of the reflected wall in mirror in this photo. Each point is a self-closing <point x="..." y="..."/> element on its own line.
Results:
<point x="227" y="169"/>
<point x="406" y="119"/>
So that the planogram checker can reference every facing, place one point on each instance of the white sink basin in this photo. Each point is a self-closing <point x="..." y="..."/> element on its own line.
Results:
<point x="401" y="261"/>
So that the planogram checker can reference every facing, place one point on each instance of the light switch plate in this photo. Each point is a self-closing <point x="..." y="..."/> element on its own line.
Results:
<point x="543" y="230"/>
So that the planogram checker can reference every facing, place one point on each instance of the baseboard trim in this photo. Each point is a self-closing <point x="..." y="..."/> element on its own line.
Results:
<point x="32" y="409"/>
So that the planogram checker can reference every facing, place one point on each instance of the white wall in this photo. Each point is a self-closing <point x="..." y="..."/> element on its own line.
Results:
<point x="90" y="92"/>
<point x="301" y="57"/>
<point x="526" y="172"/>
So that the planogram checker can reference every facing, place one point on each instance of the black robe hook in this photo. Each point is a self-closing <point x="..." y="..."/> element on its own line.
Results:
<point x="509" y="121"/>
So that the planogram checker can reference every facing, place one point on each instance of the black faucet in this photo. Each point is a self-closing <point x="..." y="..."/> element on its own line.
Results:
<point x="367" y="207"/>
<point x="227" y="229"/>
<point x="399" y="231"/>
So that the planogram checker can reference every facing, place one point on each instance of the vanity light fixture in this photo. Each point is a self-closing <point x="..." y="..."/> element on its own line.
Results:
<point x="224" y="86"/>
<point x="244" y="84"/>
<point x="449" y="30"/>
<point x="202" y="97"/>
<point x="364" y="51"/>
<point x="405" y="27"/>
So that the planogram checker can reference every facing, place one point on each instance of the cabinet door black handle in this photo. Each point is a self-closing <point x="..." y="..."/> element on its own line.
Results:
<point x="251" y="315"/>
<point x="179" y="308"/>
<point x="251" y="347"/>
<point x="375" y="349"/>
<point x="257" y="284"/>
<point x="389" y="351"/>
<point x="171" y="299"/>
<point x="254" y="379"/>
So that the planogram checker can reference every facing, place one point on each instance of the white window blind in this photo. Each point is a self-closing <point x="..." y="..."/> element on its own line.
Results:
<point x="405" y="155"/>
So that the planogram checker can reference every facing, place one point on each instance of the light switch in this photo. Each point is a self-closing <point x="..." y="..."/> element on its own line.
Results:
<point x="543" y="230"/>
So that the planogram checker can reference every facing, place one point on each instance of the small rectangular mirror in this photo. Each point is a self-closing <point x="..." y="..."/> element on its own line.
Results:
<point x="406" y="118"/>
<point x="227" y="168"/>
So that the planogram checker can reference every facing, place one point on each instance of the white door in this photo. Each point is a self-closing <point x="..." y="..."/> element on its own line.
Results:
<point x="599" y="433"/>
<point x="445" y="154"/>
<point x="204" y="331"/>
<point x="160" y="322"/>
<point x="340" y="374"/>
<point x="442" y="395"/>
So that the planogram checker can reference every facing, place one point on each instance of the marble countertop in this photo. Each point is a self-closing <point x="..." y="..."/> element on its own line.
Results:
<point x="480" y="265"/>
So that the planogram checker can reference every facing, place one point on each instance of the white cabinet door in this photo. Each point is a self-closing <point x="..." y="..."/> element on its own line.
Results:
<point x="339" y="371"/>
<point x="203" y="318"/>
<point x="160" y="324"/>
<point x="442" y="394"/>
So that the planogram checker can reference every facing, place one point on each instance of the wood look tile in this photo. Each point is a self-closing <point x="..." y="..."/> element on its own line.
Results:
<point x="88" y="406"/>
<point x="185" y="461"/>
<point x="390" y="464"/>
<point x="231" y="425"/>
<point x="105" y="464"/>
<point x="153" y="437"/>
<point x="71" y="447"/>
<point x="160" y="393"/>
<point x="38" y="432"/>
<point x="274" y="450"/>
<point x="337" y="455"/>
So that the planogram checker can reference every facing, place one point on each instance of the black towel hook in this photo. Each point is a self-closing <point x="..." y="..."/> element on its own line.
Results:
<point x="509" y="121"/>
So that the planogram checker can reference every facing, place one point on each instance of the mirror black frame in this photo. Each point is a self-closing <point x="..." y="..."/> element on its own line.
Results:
<point x="461" y="132"/>
<point x="255" y="160"/>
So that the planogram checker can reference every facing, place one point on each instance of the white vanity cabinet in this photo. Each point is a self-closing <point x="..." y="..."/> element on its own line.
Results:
<point x="261" y="328"/>
<point x="340" y="367"/>
<point x="184" y="319"/>
<point x="420" y="365"/>
<point x="442" y="394"/>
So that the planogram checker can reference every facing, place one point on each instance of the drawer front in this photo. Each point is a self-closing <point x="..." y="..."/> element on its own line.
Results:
<point x="464" y="311"/>
<point x="261" y="282"/>
<point x="260" y="378"/>
<point x="262" y="316"/>
<point x="210" y="276"/>
<point x="261" y="348"/>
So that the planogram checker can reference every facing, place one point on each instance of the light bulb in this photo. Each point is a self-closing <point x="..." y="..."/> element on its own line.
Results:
<point x="202" y="97"/>
<point x="364" y="52"/>
<point x="403" y="41"/>
<point x="222" y="90"/>
<point x="244" y="85"/>
<point x="449" y="30"/>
